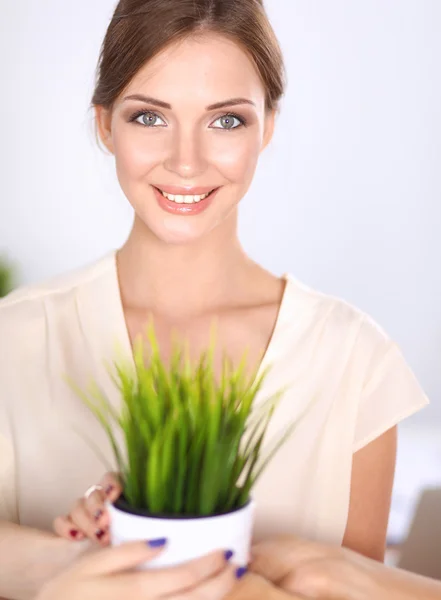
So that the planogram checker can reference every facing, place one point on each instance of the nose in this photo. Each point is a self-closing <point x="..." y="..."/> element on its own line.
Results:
<point x="186" y="154"/>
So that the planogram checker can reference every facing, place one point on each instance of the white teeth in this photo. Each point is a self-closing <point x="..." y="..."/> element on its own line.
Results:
<point x="179" y="199"/>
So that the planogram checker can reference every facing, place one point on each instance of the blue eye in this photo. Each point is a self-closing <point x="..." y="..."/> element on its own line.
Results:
<point x="147" y="118"/>
<point x="230" y="121"/>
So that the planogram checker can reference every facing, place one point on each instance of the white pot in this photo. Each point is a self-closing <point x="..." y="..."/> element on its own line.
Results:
<point x="187" y="538"/>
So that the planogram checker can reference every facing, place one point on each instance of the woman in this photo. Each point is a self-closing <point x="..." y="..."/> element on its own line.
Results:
<point x="186" y="100"/>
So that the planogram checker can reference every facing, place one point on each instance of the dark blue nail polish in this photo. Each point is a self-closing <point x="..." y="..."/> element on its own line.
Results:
<point x="241" y="572"/>
<point x="157" y="543"/>
<point x="229" y="555"/>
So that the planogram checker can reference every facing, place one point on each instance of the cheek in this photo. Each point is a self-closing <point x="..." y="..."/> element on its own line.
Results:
<point x="236" y="157"/>
<point x="135" y="155"/>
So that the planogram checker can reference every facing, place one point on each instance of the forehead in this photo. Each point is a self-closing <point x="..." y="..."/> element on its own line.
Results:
<point x="208" y="68"/>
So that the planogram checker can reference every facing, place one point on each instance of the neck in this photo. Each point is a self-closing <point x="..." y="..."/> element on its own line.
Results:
<point x="181" y="280"/>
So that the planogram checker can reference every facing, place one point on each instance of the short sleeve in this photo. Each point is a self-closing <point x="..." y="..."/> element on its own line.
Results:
<point x="390" y="395"/>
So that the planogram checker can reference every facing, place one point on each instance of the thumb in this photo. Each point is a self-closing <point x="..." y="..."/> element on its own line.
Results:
<point x="271" y="559"/>
<point x="276" y="559"/>
<point x="118" y="558"/>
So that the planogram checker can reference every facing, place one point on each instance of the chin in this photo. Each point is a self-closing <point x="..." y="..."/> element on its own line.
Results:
<point x="177" y="231"/>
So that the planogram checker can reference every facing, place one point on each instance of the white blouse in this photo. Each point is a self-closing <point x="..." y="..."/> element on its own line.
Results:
<point x="339" y="366"/>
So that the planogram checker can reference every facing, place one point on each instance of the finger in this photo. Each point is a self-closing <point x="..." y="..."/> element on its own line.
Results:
<point x="83" y="521"/>
<point x="65" y="528"/>
<point x="95" y="505"/>
<point x="190" y="574"/>
<point x="215" y="588"/>
<point x="112" y="487"/>
<point x="268" y="559"/>
<point x="275" y="559"/>
<point x="175" y="580"/>
<point x="208" y="575"/>
<point x="119" y="558"/>
<point x="253" y="587"/>
<point x="314" y="581"/>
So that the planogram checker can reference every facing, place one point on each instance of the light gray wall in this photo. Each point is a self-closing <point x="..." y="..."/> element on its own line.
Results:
<point x="348" y="197"/>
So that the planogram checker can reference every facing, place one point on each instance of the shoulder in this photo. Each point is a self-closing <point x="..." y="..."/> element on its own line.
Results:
<point x="340" y="323"/>
<point x="346" y="345"/>
<point x="23" y="310"/>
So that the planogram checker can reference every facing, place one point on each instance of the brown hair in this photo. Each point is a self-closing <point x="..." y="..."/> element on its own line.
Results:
<point x="140" y="29"/>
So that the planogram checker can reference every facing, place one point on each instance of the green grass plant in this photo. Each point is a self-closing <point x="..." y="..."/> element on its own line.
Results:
<point x="193" y="444"/>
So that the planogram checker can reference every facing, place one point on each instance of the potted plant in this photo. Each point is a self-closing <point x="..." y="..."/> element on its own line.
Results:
<point x="192" y="451"/>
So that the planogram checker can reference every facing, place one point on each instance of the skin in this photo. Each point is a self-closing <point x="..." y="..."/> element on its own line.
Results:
<point x="310" y="570"/>
<point x="187" y="272"/>
<point x="373" y="470"/>
<point x="106" y="575"/>
<point x="283" y="569"/>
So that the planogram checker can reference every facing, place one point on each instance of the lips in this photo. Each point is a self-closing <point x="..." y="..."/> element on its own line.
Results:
<point x="183" y="208"/>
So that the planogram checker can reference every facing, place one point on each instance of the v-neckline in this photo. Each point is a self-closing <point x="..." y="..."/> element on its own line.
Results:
<point x="125" y="344"/>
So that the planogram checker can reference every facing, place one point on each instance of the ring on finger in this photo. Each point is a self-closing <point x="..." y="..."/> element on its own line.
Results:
<point x="92" y="490"/>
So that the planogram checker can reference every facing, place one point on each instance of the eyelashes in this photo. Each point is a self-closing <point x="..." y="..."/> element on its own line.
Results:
<point x="242" y="121"/>
<point x="141" y="113"/>
<point x="154" y="116"/>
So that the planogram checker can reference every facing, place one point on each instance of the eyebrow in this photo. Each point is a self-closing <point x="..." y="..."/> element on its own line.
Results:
<point x="215" y="106"/>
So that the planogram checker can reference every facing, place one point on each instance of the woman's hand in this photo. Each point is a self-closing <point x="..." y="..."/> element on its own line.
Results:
<point x="107" y="575"/>
<point x="310" y="570"/>
<point x="89" y="517"/>
<point x="313" y="570"/>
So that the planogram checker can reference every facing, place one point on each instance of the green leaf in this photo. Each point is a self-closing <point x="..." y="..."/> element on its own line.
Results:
<point x="181" y="434"/>
<point x="154" y="478"/>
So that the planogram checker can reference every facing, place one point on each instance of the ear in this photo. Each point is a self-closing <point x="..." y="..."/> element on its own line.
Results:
<point x="104" y="126"/>
<point x="270" y="119"/>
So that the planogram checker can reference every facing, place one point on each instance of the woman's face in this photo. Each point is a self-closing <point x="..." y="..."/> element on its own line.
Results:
<point x="168" y="135"/>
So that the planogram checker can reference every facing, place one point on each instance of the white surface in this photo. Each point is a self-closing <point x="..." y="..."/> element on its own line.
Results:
<point x="347" y="198"/>
<point x="187" y="538"/>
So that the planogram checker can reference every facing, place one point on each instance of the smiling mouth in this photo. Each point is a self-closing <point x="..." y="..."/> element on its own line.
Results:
<point x="186" y="199"/>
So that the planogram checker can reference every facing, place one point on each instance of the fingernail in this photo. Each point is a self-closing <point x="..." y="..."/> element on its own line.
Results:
<point x="98" y="514"/>
<point x="229" y="555"/>
<point x="100" y="534"/>
<point x="241" y="572"/>
<point x="73" y="533"/>
<point x="109" y="489"/>
<point x="157" y="543"/>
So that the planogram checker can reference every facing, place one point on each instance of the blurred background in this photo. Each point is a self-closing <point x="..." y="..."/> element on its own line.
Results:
<point x="347" y="198"/>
